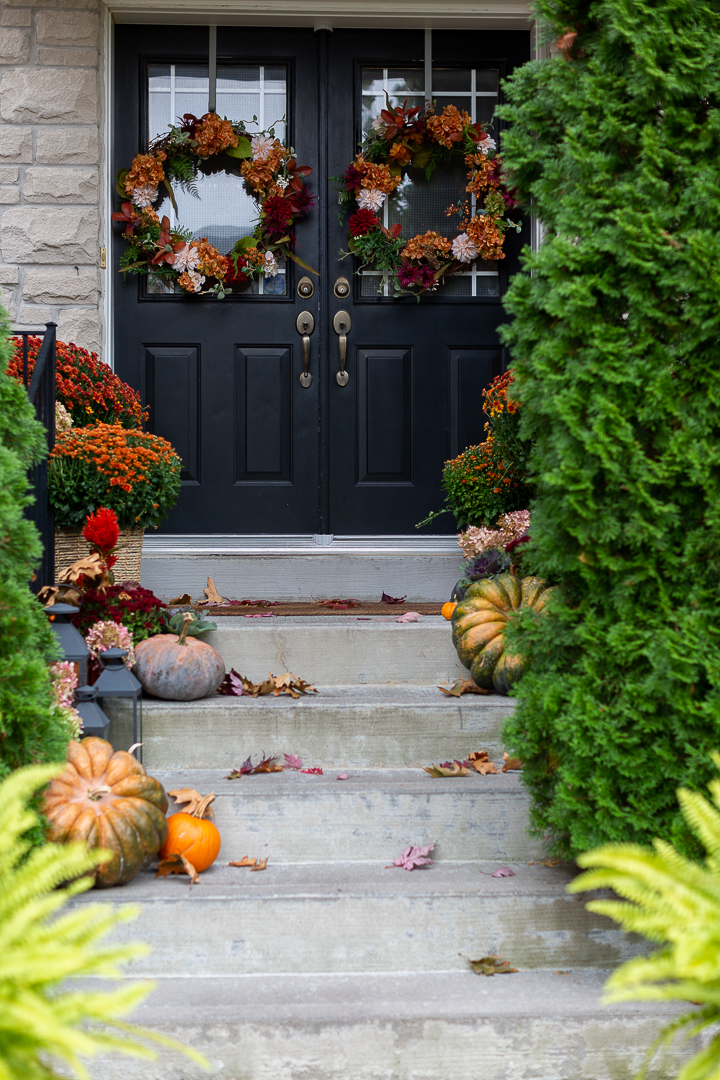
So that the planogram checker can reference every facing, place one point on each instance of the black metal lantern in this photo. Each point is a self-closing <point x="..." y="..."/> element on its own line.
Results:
<point x="117" y="681"/>
<point x="70" y="640"/>
<point x="94" y="720"/>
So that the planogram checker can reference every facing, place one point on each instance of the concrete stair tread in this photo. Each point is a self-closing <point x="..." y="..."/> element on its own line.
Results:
<point x="334" y="621"/>
<point x="290" y="998"/>
<point x="333" y="697"/>
<point x="290" y="784"/>
<point x="358" y="880"/>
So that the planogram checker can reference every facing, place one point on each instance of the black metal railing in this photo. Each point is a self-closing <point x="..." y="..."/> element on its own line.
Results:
<point x="40" y="386"/>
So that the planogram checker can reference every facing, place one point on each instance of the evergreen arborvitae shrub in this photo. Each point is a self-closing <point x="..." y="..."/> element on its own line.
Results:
<point x="616" y="347"/>
<point x="31" y="729"/>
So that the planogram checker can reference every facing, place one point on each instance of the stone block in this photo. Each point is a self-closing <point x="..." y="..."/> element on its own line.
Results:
<point x="68" y="57"/>
<point x="14" y="46"/>
<point x="9" y="175"/>
<point x="34" y="315"/>
<point x="16" y="144"/>
<point x="81" y="326"/>
<point x="67" y="146"/>
<point x="9" y="275"/>
<point x="16" y="17"/>
<point x="29" y="3"/>
<point x="89" y="5"/>
<point x="64" y="285"/>
<point x="7" y="299"/>
<point x="33" y="234"/>
<point x="49" y="96"/>
<point x="67" y="28"/>
<point x="9" y="196"/>
<point x="61" y="185"/>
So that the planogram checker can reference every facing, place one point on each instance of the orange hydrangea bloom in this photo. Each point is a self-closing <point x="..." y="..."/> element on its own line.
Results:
<point x="487" y="236"/>
<point x="145" y="169"/>
<point x="214" y="135"/>
<point x="212" y="262"/>
<point x="430" y="246"/>
<point x="448" y="127"/>
<point x="400" y="153"/>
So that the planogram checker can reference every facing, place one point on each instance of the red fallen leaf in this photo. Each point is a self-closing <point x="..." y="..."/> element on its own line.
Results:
<point x="232" y="685"/>
<point x="342" y="776"/>
<point x="385" y="599"/>
<point x="313" y="772"/>
<point x="339" y="605"/>
<point x="293" y="761"/>
<point x="503" y="871"/>
<point x="409" y="616"/>
<point x="265" y="765"/>
<point x="414" y="856"/>
<point x="260" y="615"/>
<point x="254" y="603"/>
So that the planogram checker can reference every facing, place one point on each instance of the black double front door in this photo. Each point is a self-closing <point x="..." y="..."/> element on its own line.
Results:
<point x="262" y="452"/>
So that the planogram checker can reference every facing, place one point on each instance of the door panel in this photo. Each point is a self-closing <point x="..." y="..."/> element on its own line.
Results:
<point x="261" y="452"/>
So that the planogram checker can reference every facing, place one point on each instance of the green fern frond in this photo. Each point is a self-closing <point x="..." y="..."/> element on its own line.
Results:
<point x="672" y="900"/>
<point x="42" y="1024"/>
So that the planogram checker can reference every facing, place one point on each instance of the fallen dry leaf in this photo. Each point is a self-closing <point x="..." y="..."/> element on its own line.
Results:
<point x="503" y="871"/>
<point x="313" y="772"/>
<point x="481" y="763"/>
<point x="512" y="764"/>
<point x="551" y="862"/>
<point x="409" y="616"/>
<point x="213" y="596"/>
<point x="253" y="603"/>
<point x="413" y="857"/>
<point x="385" y="599"/>
<point x="448" y="768"/>
<point x="236" y="685"/>
<point x="245" y="861"/>
<point x="261" y="864"/>
<point x="342" y="776"/>
<point x="184" y="599"/>
<point x="339" y="605"/>
<point x="232" y="684"/>
<point x="293" y="761"/>
<point x="177" y="864"/>
<point x="265" y="765"/>
<point x="462" y="686"/>
<point x="490" y="965"/>
<point x="193" y="802"/>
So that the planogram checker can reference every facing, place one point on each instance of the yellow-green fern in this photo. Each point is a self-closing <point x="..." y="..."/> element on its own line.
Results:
<point x="40" y="1023"/>
<point x="675" y="902"/>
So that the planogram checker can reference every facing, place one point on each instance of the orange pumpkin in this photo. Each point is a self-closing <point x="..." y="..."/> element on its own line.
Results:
<point x="190" y="833"/>
<point x="105" y="799"/>
<point x="447" y="609"/>
<point x="178" y="668"/>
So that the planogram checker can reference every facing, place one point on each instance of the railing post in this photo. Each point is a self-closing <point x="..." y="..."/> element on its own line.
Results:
<point x="40" y="386"/>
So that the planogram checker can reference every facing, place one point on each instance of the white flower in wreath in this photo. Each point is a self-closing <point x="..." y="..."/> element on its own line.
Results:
<point x="186" y="258"/>
<point x="370" y="199"/>
<point x="261" y="146"/>
<point x="487" y="145"/>
<point x="464" y="249"/>
<point x="196" y="279"/>
<point x="144" y="195"/>
<point x="270" y="266"/>
<point x="378" y="124"/>
<point x="282" y="182"/>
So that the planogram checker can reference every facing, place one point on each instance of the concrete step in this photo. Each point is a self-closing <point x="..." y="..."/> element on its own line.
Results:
<point x="350" y="917"/>
<point x="535" y="1025"/>
<point x="292" y="817"/>
<point x="423" y="568"/>
<point x="339" y="650"/>
<point x="341" y="726"/>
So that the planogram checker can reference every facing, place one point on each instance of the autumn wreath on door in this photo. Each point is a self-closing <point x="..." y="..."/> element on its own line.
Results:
<point x="404" y="139"/>
<point x="171" y="254"/>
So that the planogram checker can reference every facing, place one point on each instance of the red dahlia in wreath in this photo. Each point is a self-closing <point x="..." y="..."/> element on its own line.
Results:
<point x="362" y="221"/>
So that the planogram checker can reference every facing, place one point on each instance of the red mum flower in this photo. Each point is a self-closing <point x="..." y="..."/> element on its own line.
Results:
<point x="278" y="216"/>
<point x="101" y="531"/>
<point x="363" y="221"/>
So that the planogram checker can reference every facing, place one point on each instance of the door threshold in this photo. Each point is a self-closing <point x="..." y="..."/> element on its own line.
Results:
<point x="283" y="545"/>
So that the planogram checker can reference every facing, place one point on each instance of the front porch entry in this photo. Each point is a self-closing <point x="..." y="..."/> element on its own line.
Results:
<point x="263" y="453"/>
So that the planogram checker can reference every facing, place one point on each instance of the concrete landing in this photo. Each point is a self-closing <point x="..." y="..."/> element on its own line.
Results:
<point x="341" y="726"/>
<point x="535" y="1025"/>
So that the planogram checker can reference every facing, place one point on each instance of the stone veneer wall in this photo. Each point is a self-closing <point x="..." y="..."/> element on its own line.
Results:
<point x="50" y="139"/>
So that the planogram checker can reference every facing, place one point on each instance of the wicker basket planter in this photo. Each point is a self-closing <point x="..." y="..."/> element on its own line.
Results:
<point x="71" y="546"/>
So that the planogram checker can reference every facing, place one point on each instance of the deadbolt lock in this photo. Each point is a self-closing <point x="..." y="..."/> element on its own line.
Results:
<point x="305" y="288"/>
<point x="342" y="288"/>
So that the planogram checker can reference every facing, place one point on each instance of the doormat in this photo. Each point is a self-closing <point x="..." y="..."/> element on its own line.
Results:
<point x="357" y="610"/>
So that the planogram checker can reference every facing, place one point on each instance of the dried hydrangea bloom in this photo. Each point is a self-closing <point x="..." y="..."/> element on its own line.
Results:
<point x="110" y="635"/>
<point x="214" y="135"/>
<point x="63" y="419"/>
<point x="64" y="681"/>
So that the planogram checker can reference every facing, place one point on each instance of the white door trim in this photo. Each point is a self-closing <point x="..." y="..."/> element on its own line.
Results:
<point x="460" y="14"/>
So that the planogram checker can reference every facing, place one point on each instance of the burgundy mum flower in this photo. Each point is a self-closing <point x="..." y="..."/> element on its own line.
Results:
<point x="353" y="178"/>
<point x="364" y="221"/>
<point x="278" y="216"/>
<point x="408" y="275"/>
<point x="427" y="276"/>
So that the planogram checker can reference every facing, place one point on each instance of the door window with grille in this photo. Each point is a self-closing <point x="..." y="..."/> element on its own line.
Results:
<point x="217" y="207"/>
<point x="419" y="204"/>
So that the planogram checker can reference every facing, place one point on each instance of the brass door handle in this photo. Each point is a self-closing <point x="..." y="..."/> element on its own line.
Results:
<point x="341" y="325"/>
<point x="305" y="324"/>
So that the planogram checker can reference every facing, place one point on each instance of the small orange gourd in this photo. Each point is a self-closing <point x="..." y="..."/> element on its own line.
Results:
<point x="190" y="833"/>
<point x="447" y="609"/>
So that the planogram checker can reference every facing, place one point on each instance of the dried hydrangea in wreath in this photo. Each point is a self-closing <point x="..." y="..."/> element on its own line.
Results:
<point x="272" y="178"/>
<point x="404" y="139"/>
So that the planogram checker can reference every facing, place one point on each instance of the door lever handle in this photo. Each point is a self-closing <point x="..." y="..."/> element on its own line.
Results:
<point x="305" y="324"/>
<point x="341" y="325"/>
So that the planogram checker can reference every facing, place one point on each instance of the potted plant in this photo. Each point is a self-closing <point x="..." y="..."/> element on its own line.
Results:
<point x="130" y="471"/>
